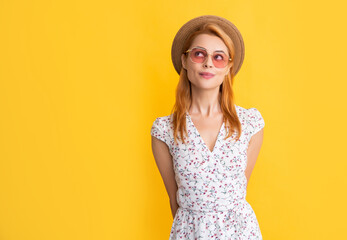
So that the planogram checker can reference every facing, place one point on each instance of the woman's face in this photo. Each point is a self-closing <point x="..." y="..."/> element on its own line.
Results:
<point x="195" y="70"/>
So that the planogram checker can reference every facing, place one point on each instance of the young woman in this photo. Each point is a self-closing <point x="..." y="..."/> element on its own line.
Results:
<point x="207" y="147"/>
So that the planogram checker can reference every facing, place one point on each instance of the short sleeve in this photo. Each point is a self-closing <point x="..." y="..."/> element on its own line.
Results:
<point x="256" y="121"/>
<point x="158" y="130"/>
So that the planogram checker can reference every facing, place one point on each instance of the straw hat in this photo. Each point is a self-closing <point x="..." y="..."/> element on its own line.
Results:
<point x="193" y="25"/>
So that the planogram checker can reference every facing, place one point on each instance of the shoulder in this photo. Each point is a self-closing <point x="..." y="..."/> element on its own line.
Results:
<point x="248" y="114"/>
<point x="161" y="128"/>
<point x="163" y="122"/>
<point x="255" y="117"/>
<point x="251" y="118"/>
<point x="241" y="112"/>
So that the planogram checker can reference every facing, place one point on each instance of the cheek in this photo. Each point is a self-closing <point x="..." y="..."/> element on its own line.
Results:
<point x="221" y="77"/>
<point x="192" y="73"/>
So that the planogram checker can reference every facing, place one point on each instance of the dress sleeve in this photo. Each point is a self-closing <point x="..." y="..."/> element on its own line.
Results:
<point x="256" y="121"/>
<point x="158" y="130"/>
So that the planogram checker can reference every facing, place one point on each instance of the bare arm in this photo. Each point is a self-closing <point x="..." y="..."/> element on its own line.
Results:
<point x="164" y="163"/>
<point x="253" y="152"/>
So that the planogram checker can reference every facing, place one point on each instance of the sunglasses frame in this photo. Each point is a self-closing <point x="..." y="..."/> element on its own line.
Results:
<point x="208" y="54"/>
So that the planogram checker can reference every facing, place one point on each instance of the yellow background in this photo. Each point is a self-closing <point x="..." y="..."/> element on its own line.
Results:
<point x="81" y="83"/>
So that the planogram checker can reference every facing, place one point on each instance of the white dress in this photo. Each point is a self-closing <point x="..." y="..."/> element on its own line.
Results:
<point x="212" y="185"/>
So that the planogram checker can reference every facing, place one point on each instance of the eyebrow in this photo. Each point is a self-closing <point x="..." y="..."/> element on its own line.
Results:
<point x="214" y="51"/>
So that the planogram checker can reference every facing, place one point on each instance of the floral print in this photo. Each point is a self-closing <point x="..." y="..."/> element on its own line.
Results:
<point x="212" y="185"/>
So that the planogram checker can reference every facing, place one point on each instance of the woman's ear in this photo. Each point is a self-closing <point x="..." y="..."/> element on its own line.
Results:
<point x="183" y="60"/>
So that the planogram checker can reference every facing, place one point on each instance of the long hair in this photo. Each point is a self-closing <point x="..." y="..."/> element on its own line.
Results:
<point x="226" y="100"/>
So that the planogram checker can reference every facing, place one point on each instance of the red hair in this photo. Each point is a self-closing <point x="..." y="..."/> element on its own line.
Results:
<point x="226" y="100"/>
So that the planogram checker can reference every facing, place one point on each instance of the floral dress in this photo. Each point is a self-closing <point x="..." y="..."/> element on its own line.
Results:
<point x="212" y="185"/>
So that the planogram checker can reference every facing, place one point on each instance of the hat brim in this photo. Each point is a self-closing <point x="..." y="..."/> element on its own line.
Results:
<point x="191" y="26"/>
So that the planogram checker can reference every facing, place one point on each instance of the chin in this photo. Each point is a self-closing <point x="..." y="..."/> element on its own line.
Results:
<point x="207" y="86"/>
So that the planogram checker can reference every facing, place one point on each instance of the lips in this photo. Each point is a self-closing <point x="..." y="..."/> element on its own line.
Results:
<point x="207" y="74"/>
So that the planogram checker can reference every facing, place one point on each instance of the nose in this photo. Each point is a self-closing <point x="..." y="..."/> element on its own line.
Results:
<point x="208" y="61"/>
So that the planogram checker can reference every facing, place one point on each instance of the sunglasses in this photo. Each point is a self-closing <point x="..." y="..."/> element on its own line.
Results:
<point x="199" y="55"/>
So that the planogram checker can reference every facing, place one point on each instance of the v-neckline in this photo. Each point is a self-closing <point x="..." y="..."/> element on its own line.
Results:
<point x="202" y="140"/>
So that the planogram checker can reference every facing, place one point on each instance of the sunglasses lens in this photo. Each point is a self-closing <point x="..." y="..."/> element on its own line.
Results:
<point x="198" y="55"/>
<point x="220" y="60"/>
